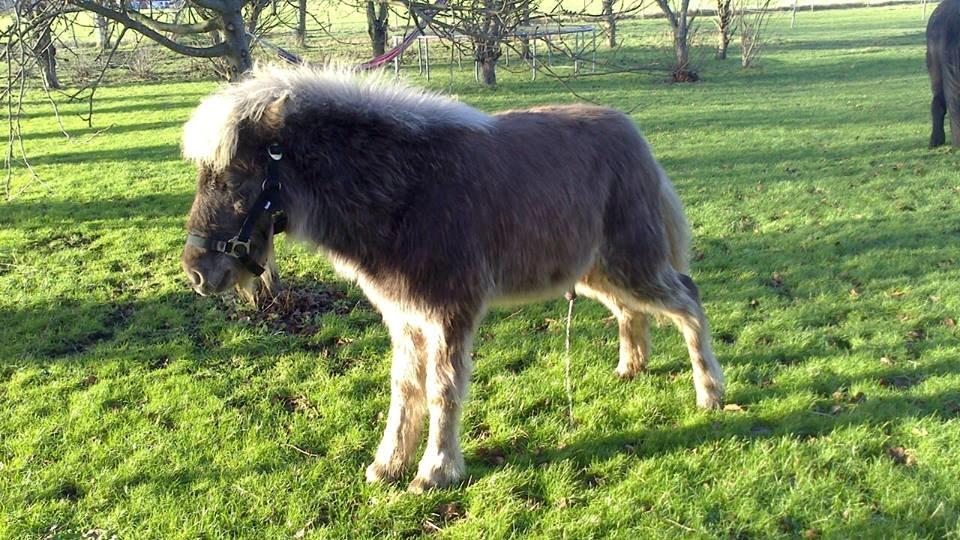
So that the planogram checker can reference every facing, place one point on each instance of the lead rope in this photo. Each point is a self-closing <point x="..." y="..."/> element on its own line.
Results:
<point x="568" y="382"/>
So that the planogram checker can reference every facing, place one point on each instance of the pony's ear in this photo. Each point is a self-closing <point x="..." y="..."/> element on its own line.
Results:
<point x="274" y="114"/>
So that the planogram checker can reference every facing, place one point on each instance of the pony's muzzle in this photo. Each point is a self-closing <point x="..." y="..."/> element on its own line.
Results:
<point x="208" y="273"/>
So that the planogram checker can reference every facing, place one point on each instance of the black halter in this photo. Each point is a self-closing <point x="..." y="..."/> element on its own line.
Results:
<point x="238" y="247"/>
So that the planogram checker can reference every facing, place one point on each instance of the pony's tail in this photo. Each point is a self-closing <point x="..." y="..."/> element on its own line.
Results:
<point x="675" y="223"/>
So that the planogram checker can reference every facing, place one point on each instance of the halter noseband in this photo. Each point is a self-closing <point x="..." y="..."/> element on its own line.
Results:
<point x="238" y="247"/>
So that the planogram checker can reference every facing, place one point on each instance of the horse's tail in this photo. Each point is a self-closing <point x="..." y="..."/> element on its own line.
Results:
<point x="675" y="223"/>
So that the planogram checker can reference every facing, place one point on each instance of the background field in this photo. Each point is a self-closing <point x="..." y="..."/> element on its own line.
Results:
<point x="826" y="250"/>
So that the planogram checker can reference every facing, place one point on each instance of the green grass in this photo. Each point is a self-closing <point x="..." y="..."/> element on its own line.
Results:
<point x="130" y="405"/>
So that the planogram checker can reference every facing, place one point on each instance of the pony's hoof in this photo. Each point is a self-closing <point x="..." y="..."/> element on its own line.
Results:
<point x="422" y="484"/>
<point x="710" y="402"/>
<point x="377" y="473"/>
<point x="437" y="474"/>
<point x="627" y="373"/>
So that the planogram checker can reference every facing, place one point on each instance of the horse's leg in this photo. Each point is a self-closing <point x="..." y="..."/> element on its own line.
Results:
<point x="407" y="404"/>
<point x="634" y="343"/>
<point x="633" y="326"/>
<point x="952" y="96"/>
<point x="680" y="302"/>
<point x="447" y="376"/>
<point x="938" y="107"/>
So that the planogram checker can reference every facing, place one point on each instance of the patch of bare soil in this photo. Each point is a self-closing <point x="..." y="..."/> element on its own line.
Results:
<point x="295" y="309"/>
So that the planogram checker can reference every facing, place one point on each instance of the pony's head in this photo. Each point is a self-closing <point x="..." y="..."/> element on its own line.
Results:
<point x="230" y="137"/>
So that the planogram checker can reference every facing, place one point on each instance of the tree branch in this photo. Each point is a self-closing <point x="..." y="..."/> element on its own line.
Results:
<point x="201" y="27"/>
<point x="665" y="7"/>
<point x="214" y="51"/>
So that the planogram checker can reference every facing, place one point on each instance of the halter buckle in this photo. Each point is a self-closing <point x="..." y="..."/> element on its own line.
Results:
<point x="236" y="248"/>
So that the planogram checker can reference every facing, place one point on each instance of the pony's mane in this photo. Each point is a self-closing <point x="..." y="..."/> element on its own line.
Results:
<point x="210" y="136"/>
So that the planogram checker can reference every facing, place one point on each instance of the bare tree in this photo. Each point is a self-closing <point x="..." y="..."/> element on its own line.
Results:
<point x="44" y="47"/>
<point x="301" y="23"/>
<point x="680" y="18"/>
<point x="724" y="19"/>
<point x="103" y="32"/>
<point x="525" y="22"/>
<point x="608" y="8"/>
<point x="752" y="20"/>
<point x="378" y="12"/>
<point x="487" y="41"/>
<point x="488" y="24"/>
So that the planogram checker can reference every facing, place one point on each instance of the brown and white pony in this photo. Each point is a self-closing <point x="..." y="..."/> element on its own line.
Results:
<point x="439" y="211"/>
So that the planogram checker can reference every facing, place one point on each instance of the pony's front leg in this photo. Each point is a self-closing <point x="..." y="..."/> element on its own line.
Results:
<point x="448" y="374"/>
<point x="407" y="405"/>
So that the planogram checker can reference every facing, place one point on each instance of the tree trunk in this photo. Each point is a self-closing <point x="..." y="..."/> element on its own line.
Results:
<point x="487" y="45"/>
<point x="238" y="46"/>
<point x="683" y="53"/>
<point x="610" y="21"/>
<point x="680" y="24"/>
<point x="302" y="23"/>
<point x="682" y="71"/>
<point x="488" y="70"/>
<point x="723" y="43"/>
<point x="47" y="58"/>
<point x="103" y="32"/>
<point x="724" y="20"/>
<point x="525" y="22"/>
<point x="681" y="48"/>
<point x="377" y="25"/>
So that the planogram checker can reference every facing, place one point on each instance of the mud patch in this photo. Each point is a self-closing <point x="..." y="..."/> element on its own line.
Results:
<point x="296" y="308"/>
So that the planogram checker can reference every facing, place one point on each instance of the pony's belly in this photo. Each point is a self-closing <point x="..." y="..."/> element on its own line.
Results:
<point x="544" y="280"/>
<point x="531" y="297"/>
<point x="549" y="287"/>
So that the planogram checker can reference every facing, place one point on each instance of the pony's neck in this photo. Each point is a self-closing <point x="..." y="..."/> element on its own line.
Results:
<point x="351" y="225"/>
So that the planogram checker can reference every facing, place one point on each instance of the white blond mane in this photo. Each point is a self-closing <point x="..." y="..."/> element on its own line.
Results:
<point x="210" y="136"/>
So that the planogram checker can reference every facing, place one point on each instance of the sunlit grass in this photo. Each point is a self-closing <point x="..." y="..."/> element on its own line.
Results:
<point x="826" y="250"/>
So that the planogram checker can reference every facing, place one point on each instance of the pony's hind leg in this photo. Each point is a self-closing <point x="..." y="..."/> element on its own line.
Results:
<point x="634" y="328"/>
<point x="634" y="343"/>
<point x="682" y="305"/>
<point x="407" y="404"/>
<point x="679" y="300"/>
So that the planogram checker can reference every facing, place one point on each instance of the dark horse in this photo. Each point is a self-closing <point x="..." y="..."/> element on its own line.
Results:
<point x="439" y="211"/>
<point x="943" y="64"/>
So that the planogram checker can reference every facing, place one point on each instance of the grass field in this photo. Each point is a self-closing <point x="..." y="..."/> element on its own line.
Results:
<point x="826" y="248"/>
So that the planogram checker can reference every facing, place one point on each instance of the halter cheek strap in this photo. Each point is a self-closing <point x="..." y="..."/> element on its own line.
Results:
<point x="266" y="202"/>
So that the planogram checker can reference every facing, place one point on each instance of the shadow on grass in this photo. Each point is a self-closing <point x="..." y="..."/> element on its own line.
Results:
<point x="78" y="135"/>
<point x="908" y="38"/>
<point x="82" y="331"/>
<point x="801" y="423"/>
<point x="24" y="213"/>
<point x="148" y="153"/>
